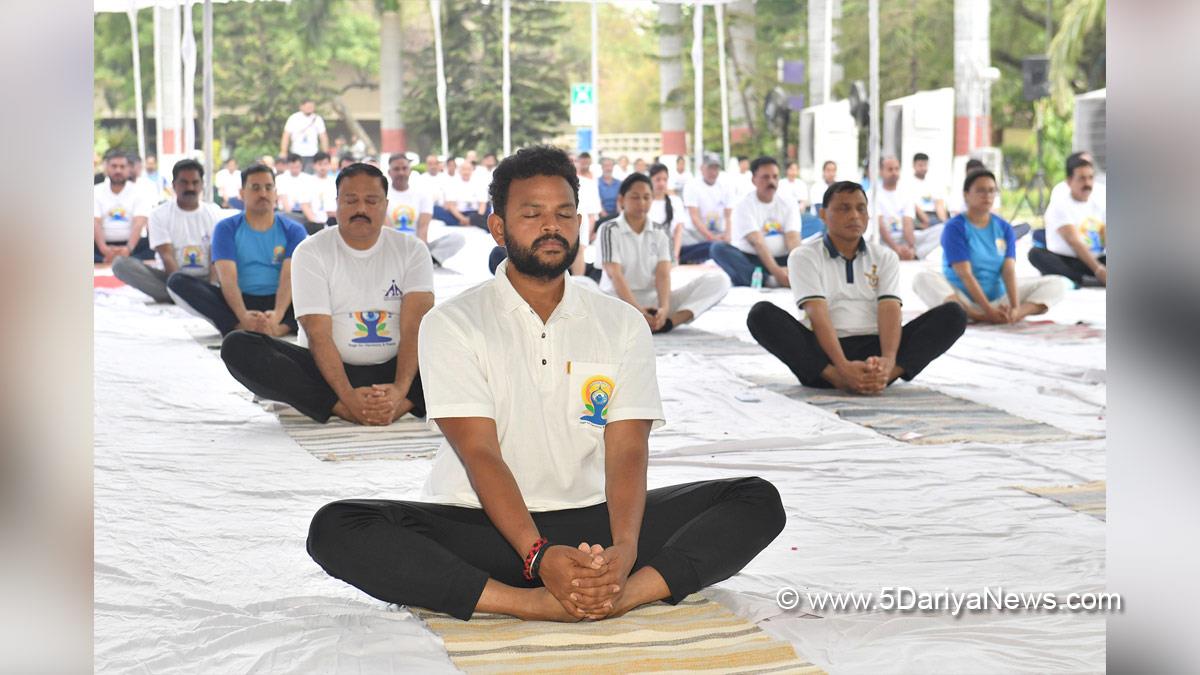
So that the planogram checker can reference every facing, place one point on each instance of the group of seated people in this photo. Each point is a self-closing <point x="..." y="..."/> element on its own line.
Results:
<point x="544" y="388"/>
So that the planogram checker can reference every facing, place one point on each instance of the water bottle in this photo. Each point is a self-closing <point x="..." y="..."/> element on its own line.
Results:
<point x="756" y="279"/>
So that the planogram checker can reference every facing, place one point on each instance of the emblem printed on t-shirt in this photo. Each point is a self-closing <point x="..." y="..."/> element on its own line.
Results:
<point x="873" y="276"/>
<point x="772" y="227"/>
<point x="277" y="258"/>
<point x="403" y="218"/>
<point x="393" y="291"/>
<point x="193" y="256"/>
<point x="1001" y="246"/>
<point x="371" y="328"/>
<point x="597" y="392"/>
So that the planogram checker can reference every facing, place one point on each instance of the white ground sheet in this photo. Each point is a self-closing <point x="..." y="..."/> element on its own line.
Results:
<point x="202" y="505"/>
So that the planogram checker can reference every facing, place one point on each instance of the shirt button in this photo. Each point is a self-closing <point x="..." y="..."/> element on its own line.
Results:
<point x="543" y="362"/>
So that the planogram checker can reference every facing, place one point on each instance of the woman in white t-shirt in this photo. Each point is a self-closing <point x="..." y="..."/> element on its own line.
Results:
<point x="636" y="258"/>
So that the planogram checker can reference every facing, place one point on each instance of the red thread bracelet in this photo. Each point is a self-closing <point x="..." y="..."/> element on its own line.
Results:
<point x="533" y="550"/>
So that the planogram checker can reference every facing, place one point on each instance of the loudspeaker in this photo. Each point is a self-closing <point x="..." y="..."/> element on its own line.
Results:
<point x="1035" y="80"/>
<point x="860" y="106"/>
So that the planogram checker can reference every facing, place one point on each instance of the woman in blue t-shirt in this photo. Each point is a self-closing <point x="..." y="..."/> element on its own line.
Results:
<point x="979" y="263"/>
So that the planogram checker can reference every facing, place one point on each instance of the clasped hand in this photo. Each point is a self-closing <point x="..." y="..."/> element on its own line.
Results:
<point x="588" y="580"/>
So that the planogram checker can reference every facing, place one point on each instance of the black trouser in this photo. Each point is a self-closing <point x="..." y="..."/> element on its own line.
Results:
<point x="921" y="341"/>
<point x="1074" y="269"/>
<point x="141" y="250"/>
<point x="207" y="300"/>
<point x="440" y="557"/>
<point x="281" y="371"/>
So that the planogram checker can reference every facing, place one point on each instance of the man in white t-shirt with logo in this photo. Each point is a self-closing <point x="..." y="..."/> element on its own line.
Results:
<point x="181" y="232"/>
<point x="410" y="209"/>
<point x="318" y="200"/>
<point x="119" y="210"/>
<point x="930" y="206"/>
<point x="766" y="227"/>
<point x="709" y="205"/>
<point x="536" y="505"/>
<point x="895" y="212"/>
<point x="360" y="290"/>
<point x="1076" y="230"/>
<point x="305" y="130"/>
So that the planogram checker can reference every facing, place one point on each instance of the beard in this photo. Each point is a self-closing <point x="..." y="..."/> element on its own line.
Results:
<point x="526" y="261"/>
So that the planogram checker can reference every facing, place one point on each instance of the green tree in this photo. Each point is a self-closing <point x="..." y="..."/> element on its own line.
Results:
<point x="266" y="57"/>
<point x="471" y="44"/>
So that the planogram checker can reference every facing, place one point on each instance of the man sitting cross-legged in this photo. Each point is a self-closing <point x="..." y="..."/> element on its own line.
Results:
<point x="536" y="505"/>
<point x="181" y="231"/>
<point x="766" y="228"/>
<point x="252" y="252"/>
<point x="849" y="290"/>
<point x="410" y="208"/>
<point x="636" y="257"/>
<point x="360" y="291"/>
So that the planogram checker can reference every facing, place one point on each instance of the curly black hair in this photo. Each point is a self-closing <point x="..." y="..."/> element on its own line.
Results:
<point x="537" y="160"/>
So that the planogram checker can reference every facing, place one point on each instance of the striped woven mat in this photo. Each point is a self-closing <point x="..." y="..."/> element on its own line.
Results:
<point x="1090" y="498"/>
<point x="921" y="416"/>
<point x="338" y="440"/>
<point x="695" y="635"/>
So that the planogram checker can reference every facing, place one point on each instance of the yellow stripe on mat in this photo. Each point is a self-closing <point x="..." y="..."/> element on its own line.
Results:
<point x="1090" y="498"/>
<point x="695" y="635"/>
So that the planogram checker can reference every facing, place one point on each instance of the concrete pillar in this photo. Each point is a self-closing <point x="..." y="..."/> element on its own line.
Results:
<point x="672" y="122"/>
<point x="972" y="89"/>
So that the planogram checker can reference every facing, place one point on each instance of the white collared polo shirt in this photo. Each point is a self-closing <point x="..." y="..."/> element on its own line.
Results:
<point x="638" y="254"/>
<point x="851" y="288"/>
<point x="550" y="387"/>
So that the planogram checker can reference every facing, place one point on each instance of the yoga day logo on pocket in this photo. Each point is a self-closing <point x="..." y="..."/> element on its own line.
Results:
<point x="597" y="392"/>
<point x="277" y="255"/>
<point x="371" y="328"/>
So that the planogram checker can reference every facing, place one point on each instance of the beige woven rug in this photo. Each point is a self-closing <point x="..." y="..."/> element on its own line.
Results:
<point x="695" y="635"/>
<point x="1090" y="498"/>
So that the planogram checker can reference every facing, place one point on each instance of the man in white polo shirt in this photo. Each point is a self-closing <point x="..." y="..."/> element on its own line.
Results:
<point x="536" y="505"/>
<point x="766" y="228"/>
<point x="849" y="291"/>
<point x="360" y="291"/>
<point x="410" y="209"/>
<point x="636" y="260"/>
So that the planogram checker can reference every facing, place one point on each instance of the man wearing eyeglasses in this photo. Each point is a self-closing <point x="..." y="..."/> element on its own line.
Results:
<point x="252" y="253"/>
<point x="360" y="292"/>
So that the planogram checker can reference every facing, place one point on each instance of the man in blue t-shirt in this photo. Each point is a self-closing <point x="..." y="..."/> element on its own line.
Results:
<point x="979" y="263"/>
<point x="609" y="187"/>
<point x="252" y="253"/>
